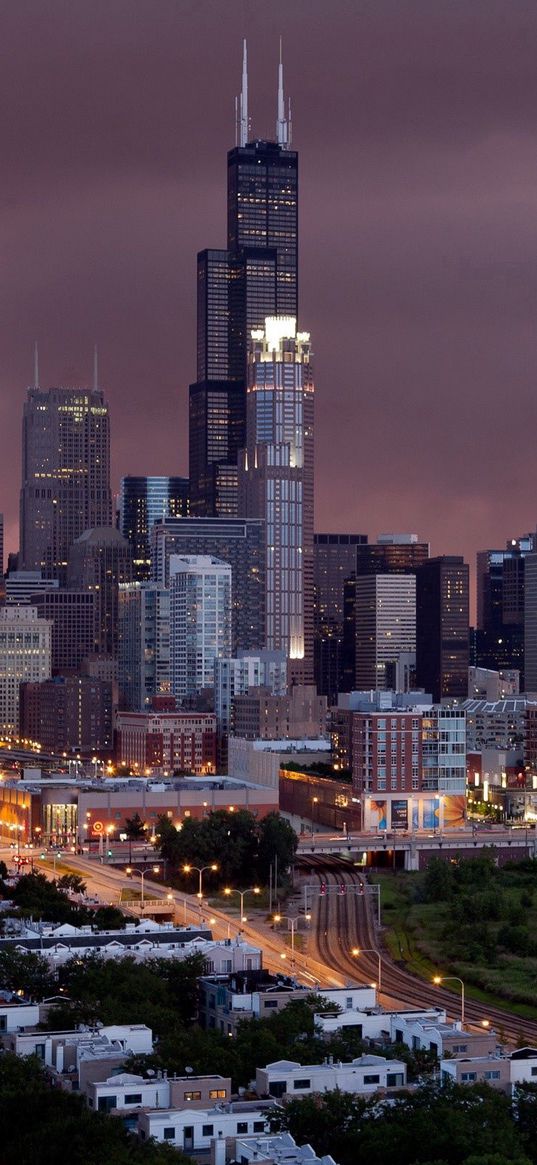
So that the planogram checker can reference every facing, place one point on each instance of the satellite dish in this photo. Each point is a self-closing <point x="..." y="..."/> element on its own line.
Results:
<point x="189" y="1070"/>
<point x="150" y="1071"/>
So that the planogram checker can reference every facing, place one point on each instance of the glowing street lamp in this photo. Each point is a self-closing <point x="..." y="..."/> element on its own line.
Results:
<point x="293" y="924"/>
<point x="130" y="870"/>
<point x="438" y="979"/>
<point x="200" y="870"/>
<point x="251" y="890"/>
<point x="357" y="951"/>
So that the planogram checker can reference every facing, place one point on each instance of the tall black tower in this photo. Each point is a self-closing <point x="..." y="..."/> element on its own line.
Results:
<point x="257" y="276"/>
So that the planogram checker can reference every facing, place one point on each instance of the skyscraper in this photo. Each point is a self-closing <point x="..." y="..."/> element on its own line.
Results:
<point x="24" y="655"/>
<point x="334" y="561"/>
<point x="385" y="626"/>
<point x="255" y="277"/>
<point x="144" y="644"/>
<point x="200" y="621"/>
<point x="442" y="633"/>
<point x="239" y="541"/>
<point x="276" y="482"/>
<point x="99" y="561"/>
<point x="65" y="474"/>
<point x="499" y="638"/>
<point x="143" y="501"/>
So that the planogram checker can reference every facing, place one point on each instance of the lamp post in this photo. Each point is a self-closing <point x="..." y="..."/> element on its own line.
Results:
<point x="141" y="874"/>
<point x="356" y="951"/>
<point x="438" y="979"/>
<point x="199" y="870"/>
<point x="294" y="923"/>
<point x="315" y="811"/>
<point x="251" y="890"/>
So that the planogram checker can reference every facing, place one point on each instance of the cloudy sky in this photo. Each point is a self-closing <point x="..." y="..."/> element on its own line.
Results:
<point x="416" y="124"/>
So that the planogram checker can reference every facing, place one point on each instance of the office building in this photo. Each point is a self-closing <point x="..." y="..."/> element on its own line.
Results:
<point x="234" y="677"/>
<point x="65" y="474"/>
<point x="99" y="561"/>
<point x="21" y="585"/>
<point x="255" y="277"/>
<point x="144" y="643"/>
<point x="200" y="621"/>
<point x="239" y="541"/>
<point x="300" y="715"/>
<point x="143" y="501"/>
<point x="391" y="554"/>
<point x="442" y="631"/>
<point x="385" y="626"/>
<point x="276" y="482"/>
<point x="530" y="623"/>
<point x="334" y="561"/>
<point x="499" y="637"/>
<point x="68" y="713"/>
<point x="167" y="742"/>
<point x="72" y="615"/>
<point x="24" y="655"/>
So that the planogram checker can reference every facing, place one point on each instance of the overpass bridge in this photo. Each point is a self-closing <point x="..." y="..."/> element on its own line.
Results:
<point x="411" y="850"/>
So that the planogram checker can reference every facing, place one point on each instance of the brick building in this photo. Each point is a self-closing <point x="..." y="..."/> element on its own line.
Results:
<point x="167" y="740"/>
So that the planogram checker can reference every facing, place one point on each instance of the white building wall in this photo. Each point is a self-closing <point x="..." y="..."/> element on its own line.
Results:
<point x="24" y="656"/>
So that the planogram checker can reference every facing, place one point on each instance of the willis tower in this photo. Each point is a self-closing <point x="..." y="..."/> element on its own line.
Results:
<point x="237" y="288"/>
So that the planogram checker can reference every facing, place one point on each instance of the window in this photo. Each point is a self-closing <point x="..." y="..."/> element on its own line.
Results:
<point x="371" y="1079"/>
<point x="270" y="1003"/>
<point x="534" y="1071"/>
<point x="106" y="1103"/>
<point x="460" y="1048"/>
<point x="169" y="1134"/>
<point x="348" y="1002"/>
<point x="207" y="1130"/>
<point x="133" y="1098"/>
<point x="217" y="1094"/>
<point x="492" y="1075"/>
<point x="301" y="1084"/>
<point x="192" y="1095"/>
<point x="259" y="1126"/>
<point x="242" y="1127"/>
<point x="468" y="1077"/>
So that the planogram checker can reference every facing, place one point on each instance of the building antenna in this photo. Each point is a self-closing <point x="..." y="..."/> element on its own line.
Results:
<point x="282" y="133"/>
<point x="95" y="368"/>
<point x="244" y="120"/>
<point x="36" y="365"/>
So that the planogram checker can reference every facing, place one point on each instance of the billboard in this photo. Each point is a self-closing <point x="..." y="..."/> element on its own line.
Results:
<point x="379" y="815"/>
<point x="399" y="814"/>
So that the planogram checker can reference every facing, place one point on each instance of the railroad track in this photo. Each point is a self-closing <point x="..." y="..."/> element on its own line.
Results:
<point x="341" y="922"/>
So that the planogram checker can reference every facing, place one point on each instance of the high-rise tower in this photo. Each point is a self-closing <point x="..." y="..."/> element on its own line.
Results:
<point x="256" y="277"/>
<point x="65" y="474"/>
<point x="276" y="482"/>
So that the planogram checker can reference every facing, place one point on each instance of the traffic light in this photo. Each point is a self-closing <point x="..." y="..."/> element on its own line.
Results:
<point x="323" y="888"/>
<point x="361" y="888"/>
<point x="342" y="888"/>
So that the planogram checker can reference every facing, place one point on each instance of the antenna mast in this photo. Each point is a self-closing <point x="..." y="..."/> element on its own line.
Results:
<point x="244" y="120"/>
<point x="282" y="130"/>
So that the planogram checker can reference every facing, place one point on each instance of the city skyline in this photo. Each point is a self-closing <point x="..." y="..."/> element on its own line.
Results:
<point x="416" y="238"/>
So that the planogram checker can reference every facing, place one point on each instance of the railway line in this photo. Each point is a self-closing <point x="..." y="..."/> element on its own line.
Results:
<point x="343" y="921"/>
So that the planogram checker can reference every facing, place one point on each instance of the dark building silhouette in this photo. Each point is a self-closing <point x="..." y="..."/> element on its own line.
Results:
<point x="442" y="627"/>
<point x="143" y="501"/>
<point x="499" y="636"/>
<point x="65" y="474"/>
<point x="237" y="289"/>
<point x="334" y="561"/>
<point x="99" y="561"/>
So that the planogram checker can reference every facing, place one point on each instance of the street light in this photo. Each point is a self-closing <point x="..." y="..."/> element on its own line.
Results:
<point x="199" y="870"/>
<point x="438" y="979"/>
<point x="294" y="923"/>
<point x="241" y="893"/>
<point x="141" y="874"/>
<point x="315" y="802"/>
<point x="356" y="951"/>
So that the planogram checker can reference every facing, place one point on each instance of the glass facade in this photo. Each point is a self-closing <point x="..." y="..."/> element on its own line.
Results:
<point x="143" y="501"/>
<point x="200" y="621"/>
<point x="442" y="631"/>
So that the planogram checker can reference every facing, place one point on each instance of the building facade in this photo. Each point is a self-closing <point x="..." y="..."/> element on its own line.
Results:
<point x="68" y="713"/>
<point x="166" y="741"/>
<point x="385" y="626"/>
<point x="200" y="621"/>
<point x="276" y="482"/>
<point x="72" y="617"/>
<point x="65" y="474"/>
<point x="24" y="655"/>
<point x="99" y="561"/>
<point x="142" y="502"/>
<point x="334" y="561"/>
<point x="238" y="541"/>
<point x="143" y="643"/>
<point x="442" y="627"/>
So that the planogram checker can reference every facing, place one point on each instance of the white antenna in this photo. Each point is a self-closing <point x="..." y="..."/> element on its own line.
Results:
<point x="289" y="124"/>
<point x="281" y="123"/>
<point x="244" y="122"/>
<point x="36" y="365"/>
<point x="236" y="121"/>
<point x="95" y="368"/>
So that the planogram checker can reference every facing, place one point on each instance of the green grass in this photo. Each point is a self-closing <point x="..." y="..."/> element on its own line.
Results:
<point x="417" y="935"/>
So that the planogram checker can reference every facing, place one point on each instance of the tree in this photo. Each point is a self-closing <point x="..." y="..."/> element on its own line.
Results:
<point x="277" y="838"/>
<point x="110" y="918"/>
<point x="135" y="830"/>
<point x="72" y="882"/>
<point x="27" y="973"/>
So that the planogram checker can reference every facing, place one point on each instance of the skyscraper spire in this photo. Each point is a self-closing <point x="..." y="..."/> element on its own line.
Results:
<point x="244" y="127"/>
<point x="282" y="132"/>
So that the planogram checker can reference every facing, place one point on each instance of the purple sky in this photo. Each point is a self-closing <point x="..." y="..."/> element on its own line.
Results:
<point x="416" y="123"/>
